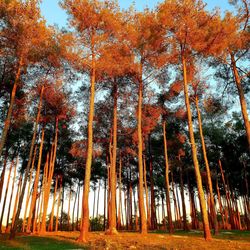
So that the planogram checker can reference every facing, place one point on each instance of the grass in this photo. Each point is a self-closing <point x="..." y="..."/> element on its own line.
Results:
<point x="223" y="234"/>
<point x="37" y="243"/>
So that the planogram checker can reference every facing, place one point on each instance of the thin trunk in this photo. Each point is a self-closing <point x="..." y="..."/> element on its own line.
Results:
<point x="16" y="199"/>
<point x="40" y="209"/>
<point x="246" y="185"/>
<point x="135" y="211"/>
<point x="220" y="204"/>
<point x="27" y="171"/>
<point x="73" y="213"/>
<point x="120" y="194"/>
<point x="58" y="205"/>
<point x="3" y="175"/>
<point x="61" y="218"/>
<point x="209" y="179"/>
<point x="85" y="221"/>
<point x="122" y="214"/>
<point x="243" y="102"/>
<point x="146" y="189"/>
<point x="206" y="228"/>
<point x="93" y="214"/>
<point x="130" y="202"/>
<point x="177" y="213"/>
<point x="108" y="196"/>
<point x="184" y="214"/>
<point x="28" y="192"/>
<point x="170" y="222"/>
<point x="48" y="180"/>
<point x="51" y="222"/>
<point x="10" y="109"/>
<point x="112" y="219"/>
<point x="105" y="204"/>
<point x="34" y="194"/>
<point x="68" y="216"/>
<point x="152" y="191"/>
<point x="5" y="196"/>
<point x="98" y="199"/>
<point x="178" y="205"/>
<point x="43" y="190"/>
<point x="192" y="206"/>
<point x="143" y="220"/>
<point x="10" y="200"/>
<point x="78" y="206"/>
<point x="127" y="203"/>
<point x="227" y="195"/>
<point x="163" y="212"/>
<point x="35" y="213"/>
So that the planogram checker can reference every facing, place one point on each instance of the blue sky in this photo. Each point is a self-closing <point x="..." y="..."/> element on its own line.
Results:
<point x="55" y="15"/>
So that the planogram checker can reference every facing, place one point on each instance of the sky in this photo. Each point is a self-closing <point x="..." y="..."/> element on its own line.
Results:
<point x="55" y="15"/>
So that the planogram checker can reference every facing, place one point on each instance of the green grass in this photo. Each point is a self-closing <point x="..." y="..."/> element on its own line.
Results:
<point x="223" y="234"/>
<point x="37" y="243"/>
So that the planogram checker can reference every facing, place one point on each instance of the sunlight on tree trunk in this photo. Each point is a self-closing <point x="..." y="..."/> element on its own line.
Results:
<point x="206" y="229"/>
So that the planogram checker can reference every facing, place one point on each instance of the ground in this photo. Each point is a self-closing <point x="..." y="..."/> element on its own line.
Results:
<point x="155" y="240"/>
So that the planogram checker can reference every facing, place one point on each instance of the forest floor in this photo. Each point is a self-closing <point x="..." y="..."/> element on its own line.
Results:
<point x="155" y="240"/>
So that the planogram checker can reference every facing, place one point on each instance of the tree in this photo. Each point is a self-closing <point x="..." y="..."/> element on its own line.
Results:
<point x="93" y="21"/>
<point x="235" y="43"/>
<point x="145" y="42"/>
<point x="192" y="30"/>
<point x="23" y="35"/>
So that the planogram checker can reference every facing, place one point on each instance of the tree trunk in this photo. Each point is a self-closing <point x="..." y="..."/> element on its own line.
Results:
<point x="85" y="217"/>
<point x="192" y="206"/>
<point x="170" y="222"/>
<point x="58" y="205"/>
<point x="16" y="199"/>
<point x="93" y="213"/>
<point x="177" y="212"/>
<point x="108" y="196"/>
<point x="73" y="212"/>
<point x="12" y="102"/>
<point x="28" y="192"/>
<point x="27" y="171"/>
<point x="34" y="194"/>
<point x="152" y="191"/>
<point x="39" y="211"/>
<point x="179" y="206"/>
<point x="135" y="211"/>
<point x="209" y="180"/>
<point x="61" y="218"/>
<point x="184" y="213"/>
<point x="48" y="180"/>
<point x="68" y="216"/>
<point x="51" y="222"/>
<point x="220" y="204"/>
<point x="130" y="201"/>
<point x="120" y="195"/>
<point x="42" y="193"/>
<point x="98" y="199"/>
<point x="206" y="228"/>
<point x="243" y="102"/>
<point x="105" y="204"/>
<point x="112" y="219"/>
<point x="5" y="196"/>
<point x="3" y="175"/>
<point x="78" y="206"/>
<point x="143" y="219"/>
<point x="227" y="195"/>
<point x="146" y="189"/>
<point x="10" y="201"/>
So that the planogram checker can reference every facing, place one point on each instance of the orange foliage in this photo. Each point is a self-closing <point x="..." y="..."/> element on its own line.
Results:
<point x="79" y="149"/>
